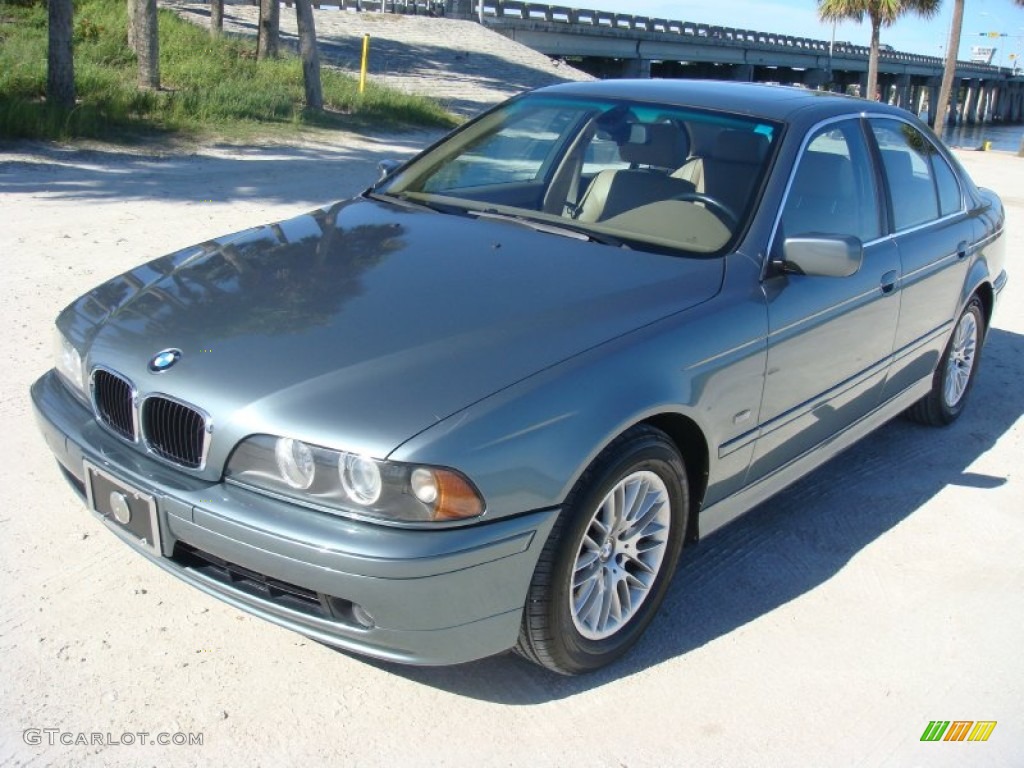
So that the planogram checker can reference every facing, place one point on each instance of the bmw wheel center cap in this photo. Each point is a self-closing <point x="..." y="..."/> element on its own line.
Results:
<point x="163" y="360"/>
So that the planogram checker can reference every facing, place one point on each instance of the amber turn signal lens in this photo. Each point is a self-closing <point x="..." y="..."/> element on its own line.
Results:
<point x="456" y="498"/>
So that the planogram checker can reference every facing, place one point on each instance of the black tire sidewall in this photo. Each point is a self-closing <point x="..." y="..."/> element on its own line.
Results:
<point x="653" y="453"/>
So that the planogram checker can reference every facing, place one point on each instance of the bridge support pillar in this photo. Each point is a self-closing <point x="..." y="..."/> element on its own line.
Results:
<point x="999" y="104"/>
<point x="990" y="103"/>
<point x="903" y="97"/>
<point x="917" y="97"/>
<point x="968" y="106"/>
<point x="636" y="68"/>
<point x="846" y="81"/>
<point x="460" y="9"/>
<point x="890" y="90"/>
<point x="743" y="72"/>
<point x="815" y="78"/>
<point x="862" y="83"/>
<point x="981" y="108"/>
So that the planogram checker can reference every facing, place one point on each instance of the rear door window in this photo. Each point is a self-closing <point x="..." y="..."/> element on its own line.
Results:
<point x="922" y="187"/>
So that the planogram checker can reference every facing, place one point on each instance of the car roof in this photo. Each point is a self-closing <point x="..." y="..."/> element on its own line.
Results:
<point x="773" y="102"/>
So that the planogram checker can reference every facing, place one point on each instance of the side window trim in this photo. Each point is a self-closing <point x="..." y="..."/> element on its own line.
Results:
<point x="811" y="133"/>
<point x="777" y="224"/>
<point x="886" y="220"/>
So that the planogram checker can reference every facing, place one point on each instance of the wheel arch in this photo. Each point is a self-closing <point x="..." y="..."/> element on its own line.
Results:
<point x="692" y="445"/>
<point x="978" y="282"/>
<point x="987" y="296"/>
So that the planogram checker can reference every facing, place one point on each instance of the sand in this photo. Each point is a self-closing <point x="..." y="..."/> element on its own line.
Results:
<point x="827" y="627"/>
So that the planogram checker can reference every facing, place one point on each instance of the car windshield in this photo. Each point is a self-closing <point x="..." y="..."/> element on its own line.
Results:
<point x="636" y="174"/>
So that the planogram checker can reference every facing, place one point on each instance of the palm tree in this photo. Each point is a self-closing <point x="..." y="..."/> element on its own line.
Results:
<point x="60" y="69"/>
<point x="938" y="112"/>
<point x="147" y="44"/>
<point x="882" y="13"/>
<point x="268" y="29"/>
<point x="309" y="54"/>
<point x="216" y="17"/>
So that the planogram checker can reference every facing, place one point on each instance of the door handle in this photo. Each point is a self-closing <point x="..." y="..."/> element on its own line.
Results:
<point x="888" y="282"/>
<point x="961" y="250"/>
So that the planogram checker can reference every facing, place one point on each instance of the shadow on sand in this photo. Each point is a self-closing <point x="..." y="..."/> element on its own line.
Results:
<point x="283" y="174"/>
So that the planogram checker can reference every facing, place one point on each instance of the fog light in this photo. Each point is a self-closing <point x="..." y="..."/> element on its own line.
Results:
<point x="295" y="462"/>
<point x="360" y="477"/>
<point x="363" y="616"/>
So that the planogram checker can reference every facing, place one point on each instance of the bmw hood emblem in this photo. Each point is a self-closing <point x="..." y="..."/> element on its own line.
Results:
<point x="163" y="360"/>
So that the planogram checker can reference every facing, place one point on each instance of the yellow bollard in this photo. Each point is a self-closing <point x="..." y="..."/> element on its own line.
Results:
<point x="362" y="67"/>
<point x="986" y="146"/>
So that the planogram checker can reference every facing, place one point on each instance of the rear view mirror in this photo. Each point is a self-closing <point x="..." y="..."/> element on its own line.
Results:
<point x="822" y="255"/>
<point x="387" y="167"/>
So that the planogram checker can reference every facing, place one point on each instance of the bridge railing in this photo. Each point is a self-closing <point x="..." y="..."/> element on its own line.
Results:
<point x="410" y="7"/>
<point x="561" y="14"/>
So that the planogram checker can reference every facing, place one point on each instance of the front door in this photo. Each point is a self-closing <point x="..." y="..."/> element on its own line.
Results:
<point x="830" y="338"/>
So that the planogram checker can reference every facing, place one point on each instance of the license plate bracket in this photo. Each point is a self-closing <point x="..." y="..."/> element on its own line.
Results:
<point x="123" y="507"/>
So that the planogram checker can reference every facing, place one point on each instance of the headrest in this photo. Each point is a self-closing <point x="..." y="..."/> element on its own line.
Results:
<point x="824" y="174"/>
<point x="662" y="145"/>
<point x="898" y="165"/>
<point x="741" y="147"/>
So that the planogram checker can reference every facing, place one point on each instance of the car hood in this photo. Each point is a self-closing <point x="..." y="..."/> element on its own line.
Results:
<point x="359" y="326"/>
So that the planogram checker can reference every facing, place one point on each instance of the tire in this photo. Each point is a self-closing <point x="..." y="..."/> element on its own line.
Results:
<point x="571" y="631"/>
<point x="956" y="372"/>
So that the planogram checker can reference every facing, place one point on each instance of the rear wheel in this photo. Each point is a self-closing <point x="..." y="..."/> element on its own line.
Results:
<point x="956" y="372"/>
<point x="609" y="559"/>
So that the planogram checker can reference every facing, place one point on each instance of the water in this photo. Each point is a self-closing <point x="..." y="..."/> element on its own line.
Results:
<point x="1002" y="136"/>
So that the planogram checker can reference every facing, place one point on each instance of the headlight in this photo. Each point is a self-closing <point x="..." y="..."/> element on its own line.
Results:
<point x="352" y="483"/>
<point x="295" y="462"/>
<point x="69" y="363"/>
<point x="360" y="478"/>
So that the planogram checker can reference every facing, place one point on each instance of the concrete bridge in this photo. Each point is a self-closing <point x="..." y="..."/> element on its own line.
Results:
<point x="624" y="45"/>
<point x="607" y="45"/>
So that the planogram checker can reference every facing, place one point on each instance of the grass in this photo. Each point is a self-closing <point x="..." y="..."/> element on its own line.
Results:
<point x="210" y="87"/>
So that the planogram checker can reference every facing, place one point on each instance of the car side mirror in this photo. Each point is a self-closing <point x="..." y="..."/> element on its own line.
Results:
<point x="822" y="255"/>
<point x="387" y="167"/>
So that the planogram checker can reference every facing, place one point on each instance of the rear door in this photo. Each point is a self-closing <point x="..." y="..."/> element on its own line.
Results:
<point x="934" y="234"/>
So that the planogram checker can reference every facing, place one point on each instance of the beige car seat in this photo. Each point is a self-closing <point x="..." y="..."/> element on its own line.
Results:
<point x="647" y="180"/>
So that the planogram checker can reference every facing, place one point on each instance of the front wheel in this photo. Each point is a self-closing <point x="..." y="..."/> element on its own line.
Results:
<point x="956" y="372"/>
<point x="609" y="559"/>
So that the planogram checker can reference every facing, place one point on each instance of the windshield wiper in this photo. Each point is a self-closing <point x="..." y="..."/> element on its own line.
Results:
<point x="414" y="202"/>
<point x="565" y="230"/>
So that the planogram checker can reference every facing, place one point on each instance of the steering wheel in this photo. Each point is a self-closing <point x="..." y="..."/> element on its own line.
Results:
<point x="715" y="205"/>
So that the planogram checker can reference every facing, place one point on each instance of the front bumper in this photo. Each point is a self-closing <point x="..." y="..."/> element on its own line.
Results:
<point x="435" y="597"/>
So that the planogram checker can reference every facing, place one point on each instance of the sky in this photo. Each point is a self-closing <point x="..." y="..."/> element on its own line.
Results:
<point x="800" y="18"/>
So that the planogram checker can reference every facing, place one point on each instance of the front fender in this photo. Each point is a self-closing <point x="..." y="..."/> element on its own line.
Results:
<point x="526" y="446"/>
